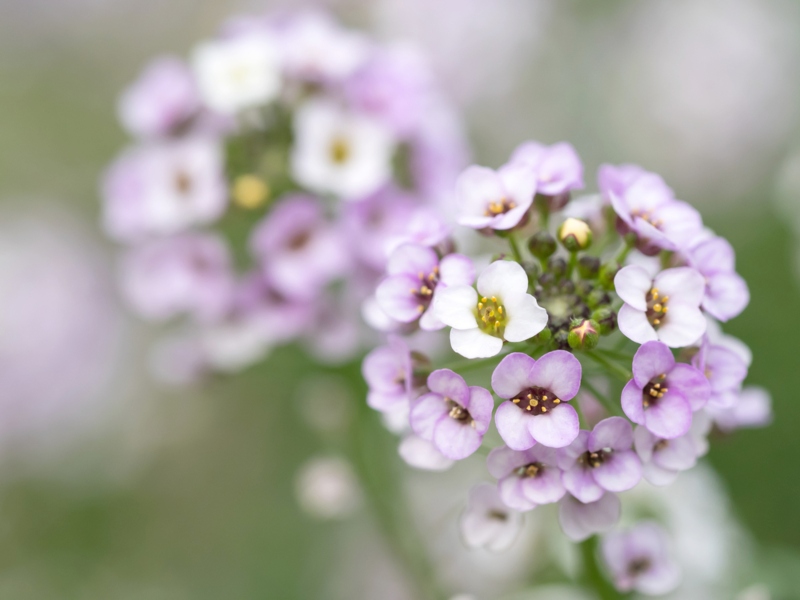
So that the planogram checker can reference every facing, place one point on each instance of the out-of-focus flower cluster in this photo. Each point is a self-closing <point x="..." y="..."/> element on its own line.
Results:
<point x="599" y="318"/>
<point x="285" y="156"/>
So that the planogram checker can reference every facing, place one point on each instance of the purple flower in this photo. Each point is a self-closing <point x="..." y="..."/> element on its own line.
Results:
<point x="526" y="479"/>
<point x="388" y="373"/>
<point x="663" y="459"/>
<point x="495" y="199"/>
<point x="503" y="311"/>
<point x="300" y="252"/>
<point x="665" y="308"/>
<point x="646" y="206"/>
<point x="580" y="520"/>
<point x="452" y="415"/>
<point x="639" y="560"/>
<point x="726" y="293"/>
<point x="487" y="522"/>
<point x="558" y="167"/>
<point x="752" y="408"/>
<point x="662" y="394"/>
<point x="601" y="460"/>
<point x="725" y="369"/>
<point x="163" y="98"/>
<point x="423" y="454"/>
<point x="164" y="188"/>
<point x="537" y="392"/>
<point x="415" y="277"/>
<point x="189" y="273"/>
<point x="616" y="179"/>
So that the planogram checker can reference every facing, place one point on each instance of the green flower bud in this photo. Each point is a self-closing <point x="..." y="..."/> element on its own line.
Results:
<point x="561" y="339"/>
<point x="585" y="336"/>
<point x="557" y="266"/>
<point x="575" y="235"/>
<point x="598" y="297"/>
<point x="544" y="336"/>
<point x="606" y="318"/>
<point x="533" y="270"/>
<point x="542" y="245"/>
<point x="607" y="273"/>
<point x="589" y="267"/>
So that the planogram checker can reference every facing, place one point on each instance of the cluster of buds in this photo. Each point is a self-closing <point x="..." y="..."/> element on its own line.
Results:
<point x="595" y="340"/>
<point x="287" y="155"/>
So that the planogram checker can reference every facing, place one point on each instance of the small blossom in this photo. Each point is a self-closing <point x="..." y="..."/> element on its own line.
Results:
<point x="503" y="311"/>
<point x="327" y="488"/>
<point x="665" y="308"/>
<point x="558" y="167"/>
<point x="452" y="415"/>
<point x="580" y="521"/>
<point x="495" y="199"/>
<point x="537" y="394"/>
<point x="341" y="153"/>
<point x="237" y="73"/>
<point x="316" y="49"/>
<point x="189" y="273"/>
<point x="388" y="373"/>
<point x="639" y="560"/>
<point x="663" y="459"/>
<point x="725" y="369"/>
<point x="300" y="252"/>
<point x="423" y="454"/>
<point x="662" y="394"/>
<point x="752" y="408"/>
<point x="164" y="188"/>
<point x="415" y="277"/>
<point x="162" y="99"/>
<point x="526" y="479"/>
<point x="487" y="522"/>
<point x="601" y="460"/>
<point x="726" y="294"/>
<point x="617" y="179"/>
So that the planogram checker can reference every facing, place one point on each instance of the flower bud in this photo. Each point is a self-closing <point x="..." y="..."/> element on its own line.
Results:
<point x="606" y="318"/>
<point x="607" y="273"/>
<point x="561" y="339"/>
<point x="557" y="266"/>
<point x="544" y="336"/>
<point x="589" y="267"/>
<point x="575" y="235"/>
<point x="532" y="270"/>
<point x="598" y="297"/>
<point x="250" y="191"/>
<point x="584" y="336"/>
<point x="542" y="245"/>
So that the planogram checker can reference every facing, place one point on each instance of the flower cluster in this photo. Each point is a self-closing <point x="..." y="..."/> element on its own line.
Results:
<point x="318" y="147"/>
<point x="595" y="326"/>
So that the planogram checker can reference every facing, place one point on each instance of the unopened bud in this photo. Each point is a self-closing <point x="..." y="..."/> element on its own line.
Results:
<point x="607" y="273"/>
<point x="557" y="266"/>
<point x="544" y="336"/>
<point x="589" y="267"/>
<point x="561" y="339"/>
<point x="585" y="336"/>
<point x="598" y="297"/>
<point x="606" y="318"/>
<point x="575" y="235"/>
<point x="532" y="270"/>
<point x="542" y="245"/>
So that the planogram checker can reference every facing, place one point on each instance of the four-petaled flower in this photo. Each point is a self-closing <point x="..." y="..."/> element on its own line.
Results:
<point x="501" y="309"/>
<point x="526" y="478"/>
<point x="495" y="199"/>
<point x="639" y="560"/>
<point x="665" y="308"/>
<point x="487" y="522"/>
<point x="537" y="393"/>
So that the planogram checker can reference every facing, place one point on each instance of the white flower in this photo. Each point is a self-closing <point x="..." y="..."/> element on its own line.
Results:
<point x="664" y="308"/>
<point x="503" y="311"/>
<point x="340" y="153"/>
<point x="234" y="74"/>
<point x="327" y="488"/>
<point x="487" y="522"/>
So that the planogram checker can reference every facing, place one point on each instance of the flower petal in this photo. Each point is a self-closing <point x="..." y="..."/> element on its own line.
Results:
<point x="557" y="428"/>
<point x="620" y="471"/>
<point x="558" y="371"/>
<point x="511" y="493"/>
<point x="512" y="425"/>
<point x="651" y="360"/>
<point x="690" y="383"/>
<point x="456" y="439"/>
<point x="422" y="454"/>
<point x="683" y="326"/>
<point x="580" y="521"/>
<point x="456" y="269"/>
<point x="525" y="319"/>
<point x="396" y="297"/>
<point x="670" y="417"/>
<point x="632" y="403"/>
<point x="504" y="279"/>
<point x="412" y="259"/>
<point x="682" y="284"/>
<point x="727" y="295"/>
<point x="614" y="432"/>
<point x="455" y="306"/>
<point x="480" y="406"/>
<point x="474" y="343"/>
<point x="449" y="384"/>
<point x="579" y="482"/>
<point x="503" y="460"/>
<point x="545" y="488"/>
<point x="425" y="413"/>
<point x="634" y="325"/>
<point x="632" y="284"/>
<point x="512" y="375"/>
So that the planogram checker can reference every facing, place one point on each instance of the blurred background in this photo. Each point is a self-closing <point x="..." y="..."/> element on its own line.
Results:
<point x="112" y="486"/>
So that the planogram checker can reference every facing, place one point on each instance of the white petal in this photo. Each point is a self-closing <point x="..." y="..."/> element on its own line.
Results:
<point x="633" y="284"/>
<point x="455" y="306"/>
<point x="634" y="325"/>
<point x="684" y="325"/>
<point x="525" y="319"/>
<point x="505" y="279"/>
<point x="684" y="285"/>
<point x="474" y="343"/>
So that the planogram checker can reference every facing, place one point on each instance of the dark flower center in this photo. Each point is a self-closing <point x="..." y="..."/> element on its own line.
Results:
<point x="594" y="459"/>
<point x="183" y="182"/>
<point x="498" y="515"/>
<point x="499" y="207"/>
<point x="424" y="293"/>
<point x="654" y="390"/>
<point x="299" y="240"/>
<point x="530" y="470"/>
<point x="656" y="308"/>
<point x="639" y="566"/>
<point x="458" y="412"/>
<point x="536" y="400"/>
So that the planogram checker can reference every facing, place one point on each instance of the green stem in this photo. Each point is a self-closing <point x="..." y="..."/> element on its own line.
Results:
<point x="630" y="241"/>
<point x="592" y="576"/>
<point x="607" y="403"/>
<point x="513" y="242"/>
<point x="614" y="354"/>
<point x="621" y="372"/>
<point x="573" y="261"/>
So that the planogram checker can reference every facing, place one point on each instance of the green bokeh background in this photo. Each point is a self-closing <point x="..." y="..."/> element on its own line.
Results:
<point x="213" y="515"/>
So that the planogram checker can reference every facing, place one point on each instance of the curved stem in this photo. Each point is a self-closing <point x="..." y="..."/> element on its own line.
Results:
<point x="515" y="249"/>
<point x="592" y="576"/>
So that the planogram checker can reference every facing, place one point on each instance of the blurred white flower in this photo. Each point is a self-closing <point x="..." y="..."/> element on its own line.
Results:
<point x="327" y="488"/>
